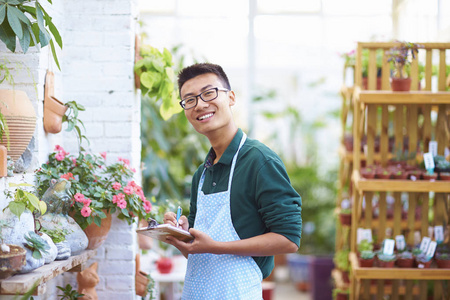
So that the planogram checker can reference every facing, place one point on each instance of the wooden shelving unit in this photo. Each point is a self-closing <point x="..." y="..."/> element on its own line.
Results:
<point x="417" y="117"/>
<point x="21" y="283"/>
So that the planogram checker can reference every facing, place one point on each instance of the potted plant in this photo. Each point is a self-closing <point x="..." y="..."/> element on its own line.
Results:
<point x="69" y="293"/>
<point x="365" y="67"/>
<point x="422" y="260"/>
<point x="345" y="216"/>
<point x="32" y="25"/>
<point x="405" y="259"/>
<point x="415" y="175"/>
<point x="341" y="294"/>
<point x="400" y="58"/>
<point x="366" y="258"/>
<point x="386" y="260"/>
<point x="444" y="176"/>
<point x="384" y="174"/>
<point x="429" y="176"/>
<point x="12" y="257"/>
<point x="400" y="174"/>
<point x="443" y="260"/>
<point x="97" y="189"/>
<point x="368" y="172"/>
<point x="342" y="263"/>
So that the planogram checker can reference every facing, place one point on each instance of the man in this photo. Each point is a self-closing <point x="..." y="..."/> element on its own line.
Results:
<point x="243" y="209"/>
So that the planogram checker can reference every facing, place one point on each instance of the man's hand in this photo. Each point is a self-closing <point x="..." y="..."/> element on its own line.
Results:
<point x="171" y="218"/>
<point x="202" y="243"/>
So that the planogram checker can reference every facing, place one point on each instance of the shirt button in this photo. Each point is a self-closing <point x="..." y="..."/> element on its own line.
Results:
<point x="214" y="184"/>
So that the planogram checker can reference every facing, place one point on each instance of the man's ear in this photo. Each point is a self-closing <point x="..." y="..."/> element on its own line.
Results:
<point x="232" y="97"/>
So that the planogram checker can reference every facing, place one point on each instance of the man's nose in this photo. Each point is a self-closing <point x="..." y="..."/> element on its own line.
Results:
<point x="201" y="104"/>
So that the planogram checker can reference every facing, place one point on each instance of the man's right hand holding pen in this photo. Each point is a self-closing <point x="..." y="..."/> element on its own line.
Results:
<point x="171" y="218"/>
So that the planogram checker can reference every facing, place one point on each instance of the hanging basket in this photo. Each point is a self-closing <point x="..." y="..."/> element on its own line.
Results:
<point x="21" y="119"/>
<point x="54" y="111"/>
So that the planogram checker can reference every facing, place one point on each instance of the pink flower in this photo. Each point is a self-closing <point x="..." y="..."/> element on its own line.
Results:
<point x="133" y="170"/>
<point x="87" y="201"/>
<point x="67" y="176"/>
<point x="147" y="206"/>
<point x="58" y="148"/>
<point x="60" y="156"/>
<point x="74" y="161"/>
<point x="116" y="186"/>
<point x="122" y="204"/>
<point x="124" y="160"/>
<point x="85" y="211"/>
<point x="79" y="197"/>
<point x="118" y="198"/>
<point x="103" y="154"/>
<point x="132" y="183"/>
<point x="128" y="190"/>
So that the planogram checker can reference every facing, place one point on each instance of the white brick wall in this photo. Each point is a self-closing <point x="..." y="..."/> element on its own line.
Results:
<point x="97" y="71"/>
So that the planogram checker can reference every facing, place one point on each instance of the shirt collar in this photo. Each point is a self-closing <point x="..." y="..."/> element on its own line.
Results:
<point x="229" y="153"/>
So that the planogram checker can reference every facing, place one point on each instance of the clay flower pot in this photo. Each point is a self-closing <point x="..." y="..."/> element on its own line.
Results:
<point x="430" y="177"/>
<point x="400" y="84"/>
<point x="368" y="172"/>
<point x="384" y="175"/>
<point x="415" y="175"/>
<point x="366" y="263"/>
<point x="444" y="176"/>
<point x="97" y="235"/>
<point x="345" y="218"/>
<point x="21" y="119"/>
<point x="405" y="262"/>
<point x="54" y="111"/>
<point x="443" y="260"/>
<point x="12" y="262"/>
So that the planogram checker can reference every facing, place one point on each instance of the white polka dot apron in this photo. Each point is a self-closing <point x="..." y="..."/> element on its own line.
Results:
<point x="211" y="276"/>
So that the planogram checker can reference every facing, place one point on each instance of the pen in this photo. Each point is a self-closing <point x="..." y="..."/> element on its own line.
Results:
<point x="178" y="214"/>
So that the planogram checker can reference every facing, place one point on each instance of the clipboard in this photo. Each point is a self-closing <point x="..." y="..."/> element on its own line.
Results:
<point x="160" y="232"/>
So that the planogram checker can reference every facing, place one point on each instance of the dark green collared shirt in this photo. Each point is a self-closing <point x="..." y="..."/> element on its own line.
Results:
<point x="262" y="198"/>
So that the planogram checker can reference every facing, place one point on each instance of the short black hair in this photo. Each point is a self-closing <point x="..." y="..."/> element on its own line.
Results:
<point x="200" y="69"/>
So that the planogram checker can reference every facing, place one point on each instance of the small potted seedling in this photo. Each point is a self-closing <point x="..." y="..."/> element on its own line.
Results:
<point x="342" y="263"/>
<point x="366" y="259"/>
<point x="431" y="176"/>
<point x="341" y="294"/>
<point x="405" y="259"/>
<point x="386" y="260"/>
<point x="422" y="260"/>
<point x="400" y="174"/>
<point x="384" y="174"/>
<point x="368" y="172"/>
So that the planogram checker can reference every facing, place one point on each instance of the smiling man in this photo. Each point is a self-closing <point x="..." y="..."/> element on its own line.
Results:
<point x="243" y="209"/>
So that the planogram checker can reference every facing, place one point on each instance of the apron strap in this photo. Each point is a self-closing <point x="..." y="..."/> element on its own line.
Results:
<point x="233" y="164"/>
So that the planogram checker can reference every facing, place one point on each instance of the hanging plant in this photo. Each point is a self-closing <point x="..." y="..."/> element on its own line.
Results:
<point x="35" y="27"/>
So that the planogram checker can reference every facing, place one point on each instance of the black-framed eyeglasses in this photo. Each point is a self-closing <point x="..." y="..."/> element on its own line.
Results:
<point x="208" y="95"/>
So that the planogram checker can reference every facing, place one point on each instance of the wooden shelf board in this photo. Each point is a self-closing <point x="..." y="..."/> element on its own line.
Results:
<point x="348" y="155"/>
<point x="396" y="273"/>
<point x="22" y="283"/>
<point x="413" y="97"/>
<point x="373" y="289"/>
<point x="389" y="223"/>
<point x="397" y="185"/>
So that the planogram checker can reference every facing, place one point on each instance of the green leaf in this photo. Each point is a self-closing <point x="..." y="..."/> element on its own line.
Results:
<point x="33" y="199"/>
<point x="37" y="254"/>
<point x="13" y="13"/>
<point x="14" y="2"/>
<point x="97" y="221"/>
<point x="26" y="39"/>
<point x="52" y="47"/>
<point x="42" y="207"/>
<point x="16" y="208"/>
<point x="148" y="79"/>
<point x="55" y="33"/>
<point x="2" y="12"/>
<point x="44" y="36"/>
<point x="7" y="36"/>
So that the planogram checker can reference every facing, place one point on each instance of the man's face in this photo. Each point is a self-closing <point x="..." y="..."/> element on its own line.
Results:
<point x="208" y="117"/>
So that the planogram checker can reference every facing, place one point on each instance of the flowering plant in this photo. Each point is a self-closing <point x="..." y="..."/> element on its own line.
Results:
<point x="401" y="56"/>
<point x="95" y="186"/>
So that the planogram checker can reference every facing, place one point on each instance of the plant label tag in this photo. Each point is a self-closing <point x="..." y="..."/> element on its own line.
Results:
<point x="363" y="234"/>
<point x="446" y="152"/>
<point x="400" y="242"/>
<point x="389" y="245"/>
<point x="431" y="249"/>
<point x="424" y="244"/>
<point x="439" y="234"/>
<point x="428" y="160"/>
<point x="432" y="147"/>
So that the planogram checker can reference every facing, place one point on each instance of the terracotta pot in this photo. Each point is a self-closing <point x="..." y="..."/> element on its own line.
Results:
<point x="384" y="176"/>
<point x="422" y="265"/>
<point x="405" y="262"/>
<point x="21" y="119"/>
<point x="400" y="84"/>
<point x="12" y="262"/>
<point x="444" y="176"/>
<point x="97" y="235"/>
<point x="443" y="263"/>
<point x="346" y="219"/>
<point x="366" y="263"/>
<point x="402" y="176"/>
<point x="141" y="279"/>
<point x="431" y="177"/>
<point x="54" y="111"/>
<point x="341" y="296"/>
<point x="164" y="265"/>
<point x="386" y="264"/>
<point x="365" y="173"/>
<point x="415" y="175"/>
